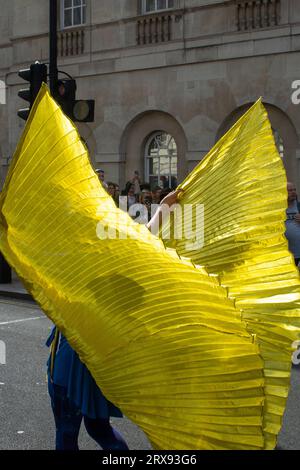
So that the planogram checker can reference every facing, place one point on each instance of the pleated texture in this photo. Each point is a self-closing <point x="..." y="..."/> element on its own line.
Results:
<point x="159" y="335"/>
<point x="242" y="186"/>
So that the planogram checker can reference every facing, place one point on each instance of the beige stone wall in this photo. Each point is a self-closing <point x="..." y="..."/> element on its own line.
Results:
<point x="192" y="86"/>
<point x="29" y="17"/>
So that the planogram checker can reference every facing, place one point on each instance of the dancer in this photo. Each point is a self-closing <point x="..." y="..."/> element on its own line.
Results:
<point x="75" y="395"/>
<point x="193" y="343"/>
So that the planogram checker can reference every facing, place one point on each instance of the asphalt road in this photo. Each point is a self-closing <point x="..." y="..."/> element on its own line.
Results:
<point x="25" y="414"/>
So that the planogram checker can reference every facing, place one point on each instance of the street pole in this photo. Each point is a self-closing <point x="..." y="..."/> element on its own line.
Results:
<point x="53" y="73"/>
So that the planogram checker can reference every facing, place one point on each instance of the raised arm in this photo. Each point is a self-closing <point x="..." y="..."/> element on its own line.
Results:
<point x="155" y="223"/>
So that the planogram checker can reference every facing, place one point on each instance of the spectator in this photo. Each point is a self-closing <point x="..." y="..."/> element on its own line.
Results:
<point x="111" y="189"/>
<point x="137" y="184"/>
<point x="117" y="194"/>
<point x="129" y="192"/>
<point x="164" y="182"/>
<point x="156" y="195"/>
<point x="146" y="200"/>
<point x="100" y="174"/>
<point x="292" y="223"/>
<point x="145" y="186"/>
<point x="174" y="183"/>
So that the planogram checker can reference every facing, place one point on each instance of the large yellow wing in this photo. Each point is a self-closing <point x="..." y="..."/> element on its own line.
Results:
<point x="160" y="336"/>
<point x="242" y="186"/>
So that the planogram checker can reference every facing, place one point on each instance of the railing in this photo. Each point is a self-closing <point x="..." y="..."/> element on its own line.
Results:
<point x="156" y="28"/>
<point x="70" y="43"/>
<point x="257" y="14"/>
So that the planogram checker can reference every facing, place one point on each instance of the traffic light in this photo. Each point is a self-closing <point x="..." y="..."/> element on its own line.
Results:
<point x="66" y="95"/>
<point x="35" y="75"/>
<point x="84" y="111"/>
<point x="77" y="110"/>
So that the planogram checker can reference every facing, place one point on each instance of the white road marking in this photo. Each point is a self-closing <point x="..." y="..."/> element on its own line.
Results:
<point x="18" y="321"/>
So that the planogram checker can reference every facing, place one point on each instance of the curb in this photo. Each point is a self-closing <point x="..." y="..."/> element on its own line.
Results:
<point x="16" y="295"/>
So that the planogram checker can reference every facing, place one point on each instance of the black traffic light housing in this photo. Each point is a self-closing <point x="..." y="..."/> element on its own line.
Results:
<point x="66" y="95"/>
<point x="77" y="110"/>
<point x="35" y="75"/>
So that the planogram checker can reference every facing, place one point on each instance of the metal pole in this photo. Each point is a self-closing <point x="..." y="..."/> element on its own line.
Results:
<point x="53" y="73"/>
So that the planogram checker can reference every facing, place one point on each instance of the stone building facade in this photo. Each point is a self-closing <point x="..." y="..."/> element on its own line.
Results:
<point x="169" y="76"/>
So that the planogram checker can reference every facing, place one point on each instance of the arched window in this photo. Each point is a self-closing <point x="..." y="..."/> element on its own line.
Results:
<point x="161" y="161"/>
<point x="278" y="142"/>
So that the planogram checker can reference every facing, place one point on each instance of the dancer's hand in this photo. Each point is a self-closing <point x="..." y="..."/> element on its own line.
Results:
<point x="172" y="197"/>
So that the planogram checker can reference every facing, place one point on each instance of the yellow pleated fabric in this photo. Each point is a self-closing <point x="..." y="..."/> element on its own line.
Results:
<point x="158" y="333"/>
<point x="242" y="186"/>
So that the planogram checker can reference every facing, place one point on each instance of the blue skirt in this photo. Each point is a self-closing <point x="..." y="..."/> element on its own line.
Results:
<point x="82" y="390"/>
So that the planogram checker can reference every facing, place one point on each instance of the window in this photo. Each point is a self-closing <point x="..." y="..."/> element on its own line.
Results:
<point x="278" y="142"/>
<point x="161" y="161"/>
<point x="73" y="13"/>
<point x="156" y="5"/>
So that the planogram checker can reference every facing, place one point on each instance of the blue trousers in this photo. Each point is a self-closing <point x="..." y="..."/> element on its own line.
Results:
<point x="68" y="420"/>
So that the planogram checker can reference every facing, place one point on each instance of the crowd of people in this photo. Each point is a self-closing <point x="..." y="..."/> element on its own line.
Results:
<point x="136" y="192"/>
<point x="141" y="193"/>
